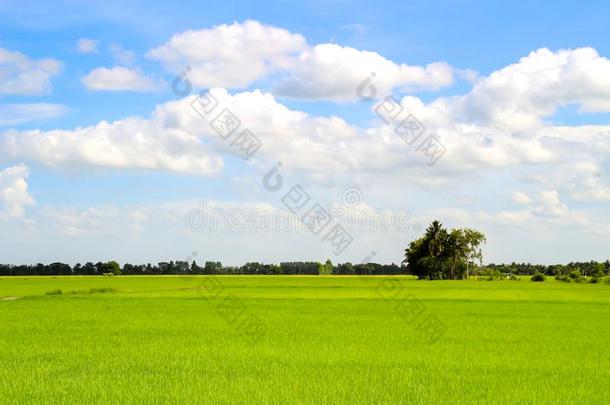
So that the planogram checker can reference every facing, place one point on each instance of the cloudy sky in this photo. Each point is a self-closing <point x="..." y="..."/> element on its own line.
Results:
<point x="146" y="131"/>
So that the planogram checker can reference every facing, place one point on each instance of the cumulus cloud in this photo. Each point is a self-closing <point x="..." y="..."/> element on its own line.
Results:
<point x="121" y="55"/>
<point x="15" y="114"/>
<point x="176" y="138"/>
<point x="132" y="143"/>
<point x="520" y="96"/>
<point x="330" y="71"/>
<point x="323" y="148"/>
<point x="520" y="197"/>
<point x="236" y="55"/>
<point x="328" y="149"/>
<point x="86" y="45"/>
<point x="118" y="78"/>
<point x="229" y="55"/>
<point x="544" y="209"/>
<point x="96" y="221"/>
<point x="21" y="75"/>
<point x="14" y="195"/>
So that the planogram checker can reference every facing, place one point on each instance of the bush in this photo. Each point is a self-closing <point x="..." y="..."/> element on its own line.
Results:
<point x="595" y="280"/>
<point x="491" y="274"/>
<point x="54" y="292"/>
<point x="598" y="273"/>
<point x="538" y="277"/>
<point x="101" y="290"/>
<point x="563" y="278"/>
<point x="575" y="275"/>
<point x="514" y="277"/>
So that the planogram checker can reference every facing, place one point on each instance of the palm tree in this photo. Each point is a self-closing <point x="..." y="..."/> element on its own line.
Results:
<point x="436" y="237"/>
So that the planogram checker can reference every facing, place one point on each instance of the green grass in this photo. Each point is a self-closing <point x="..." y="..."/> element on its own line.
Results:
<point x="327" y="340"/>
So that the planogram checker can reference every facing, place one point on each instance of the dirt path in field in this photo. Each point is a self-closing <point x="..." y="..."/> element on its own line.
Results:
<point x="9" y="298"/>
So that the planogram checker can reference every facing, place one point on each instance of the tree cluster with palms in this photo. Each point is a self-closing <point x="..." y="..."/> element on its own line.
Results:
<point x="444" y="254"/>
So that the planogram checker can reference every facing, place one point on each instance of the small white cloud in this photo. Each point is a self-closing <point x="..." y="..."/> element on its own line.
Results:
<point x="520" y="197"/>
<point x="121" y="55"/>
<point x="15" y="114"/>
<point x="118" y="78"/>
<point x="14" y="195"/>
<point x="20" y="75"/>
<point x="95" y="221"/>
<point x="86" y="45"/>
<point x="358" y="30"/>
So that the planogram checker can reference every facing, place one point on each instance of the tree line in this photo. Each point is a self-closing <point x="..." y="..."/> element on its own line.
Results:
<point x="192" y="268"/>
<point x="588" y="269"/>
<point x="439" y="254"/>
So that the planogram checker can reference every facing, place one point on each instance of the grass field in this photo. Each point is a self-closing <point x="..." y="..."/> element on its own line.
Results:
<point x="316" y="340"/>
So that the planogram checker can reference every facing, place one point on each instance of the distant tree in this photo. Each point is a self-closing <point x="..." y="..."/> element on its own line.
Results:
<point x="213" y="268"/>
<point x="326" y="268"/>
<point x="194" y="268"/>
<point x="111" y="267"/>
<point x="472" y="241"/>
<point x="89" y="269"/>
<point x="182" y="267"/>
<point x="345" y="268"/>
<point x="442" y="254"/>
<point x="599" y="270"/>
<point x="60" y="269"/>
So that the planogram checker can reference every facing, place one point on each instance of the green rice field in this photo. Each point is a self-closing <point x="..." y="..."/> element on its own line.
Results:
<point x="302" y="339"/>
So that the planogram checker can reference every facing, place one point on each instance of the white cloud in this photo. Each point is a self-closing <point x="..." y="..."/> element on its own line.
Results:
<point x="322" y="148"/>
<point x="520" y="197"/>
<point x="14" y="195"/>
<point x="229" y="55"/>
<point x="518" y="97"/>
<point x="330" y="71"/>
<point x="328" y="149"/>
<point x="96" y="221"/>
<point x="20" y="75"/>
<point x="129" y="143"/>
<point x="86" y="45"/>
<point x="545" y="209"/>
<point x="15" y="114"/>
<point x="118" y="78"/>
<point x="236" y="55"/>
<point x="121" y="55"/>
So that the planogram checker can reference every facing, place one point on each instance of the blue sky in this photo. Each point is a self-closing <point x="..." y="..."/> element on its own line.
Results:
<point x="517" y="93"/>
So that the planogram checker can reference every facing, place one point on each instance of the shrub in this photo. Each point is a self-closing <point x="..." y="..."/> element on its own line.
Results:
<point x="563" y="278"/>
<point x="575" y="275"/>
<point x="598" y="273"/>
<point x="595" y="280"/>
<point x="54" y="292"/>
<point x="538" y="277"/>
<point x="514" y="277"/>
<point x="101" y="290"/>
<point x="490" y="275"/>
